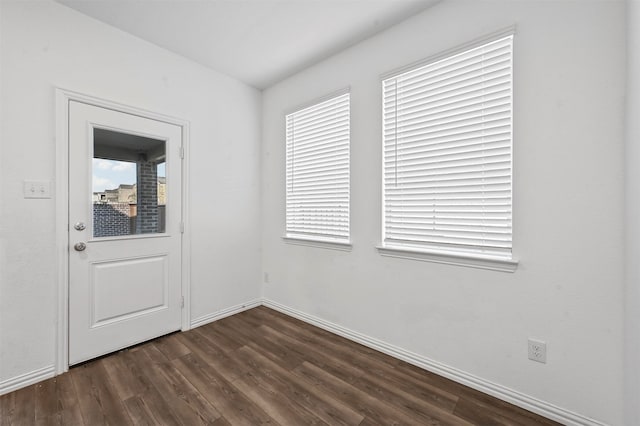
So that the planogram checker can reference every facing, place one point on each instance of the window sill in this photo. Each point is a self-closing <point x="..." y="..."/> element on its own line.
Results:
<point x="471" y="261"/>
<point x="325" y="244"/>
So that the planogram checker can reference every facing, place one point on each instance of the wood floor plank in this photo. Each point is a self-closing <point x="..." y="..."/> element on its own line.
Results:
<point x="410" y="379"/>
<point x="381" y="373"/>
<point x="259" y="367"/>
<point x="158" y="406"/>
<point x="339" y="367"/>
<point x="61" y="418"/>
<point x="25" y="406"/>
<point x="140" y="412"/>
<point x="233" y="405"/>
<point x="250" y="317"/>
<point x="163" y="396"/>
<point x="475" y="406"/>
<point x="185" y="403"/>
<point x="366" y="404"/>
<point x="284" y="356"/>
<point x="46" y="403"/>
<point x="126" y="382"/>
<point x="19" y="407"/>
<point x="433" y="379"/>
<point x="315" y="336"/>
<point x="410" y="404"/>
<point x="6" y="407"/>
<point x="67" y="403"/>
<point x="67" y="395"/>
<point x="189" y="394"/>
<point x="97" y="400"/>
<point x="222" y="359"/>
<point x="443" y="398"/>
<point x="233" y="326"/>
<point x="222" y="422"/>
<point x="171" y="347"/>
<point x="227" y="341"/>
<point x="155" y="355"/>
<point x="331" y="410"/>
<point x="258" y="388"/>
<point x="56" y="402"/>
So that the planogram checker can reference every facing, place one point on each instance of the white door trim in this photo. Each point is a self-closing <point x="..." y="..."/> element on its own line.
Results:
<point x="63" y="97"/>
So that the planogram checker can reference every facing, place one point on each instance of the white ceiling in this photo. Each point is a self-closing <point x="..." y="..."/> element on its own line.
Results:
<point x="259" y="42"/>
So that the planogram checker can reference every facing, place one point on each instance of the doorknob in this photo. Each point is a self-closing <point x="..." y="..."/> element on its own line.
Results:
<point x="80" y="246"/>
<point x="79" y="226"/>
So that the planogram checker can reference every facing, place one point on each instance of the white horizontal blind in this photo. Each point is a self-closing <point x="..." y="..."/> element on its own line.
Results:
<point x="318" y="171"/>
<point x="447" y="131"/>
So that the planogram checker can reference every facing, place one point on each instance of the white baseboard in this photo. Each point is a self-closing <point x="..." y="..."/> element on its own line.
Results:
<point x="26" y="379"/>
<point x="501" y="392"/>
<point x="205" y="319"/>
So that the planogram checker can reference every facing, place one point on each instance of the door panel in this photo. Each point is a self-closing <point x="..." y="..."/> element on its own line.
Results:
<point x="125" y="241"/>
<point x="115" y="299"/>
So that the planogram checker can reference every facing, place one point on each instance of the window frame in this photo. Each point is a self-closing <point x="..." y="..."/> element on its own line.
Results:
<point x="328" y="242"/>
<point x="450" y="255"/>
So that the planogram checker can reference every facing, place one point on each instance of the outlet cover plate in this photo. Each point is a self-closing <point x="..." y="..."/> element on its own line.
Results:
<point x="538" y="350"/>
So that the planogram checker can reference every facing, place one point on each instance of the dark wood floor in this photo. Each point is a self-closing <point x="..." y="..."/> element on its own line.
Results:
<point x="256" y="367"/>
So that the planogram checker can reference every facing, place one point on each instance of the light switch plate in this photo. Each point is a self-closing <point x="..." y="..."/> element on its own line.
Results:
<point x="37" y="189"/>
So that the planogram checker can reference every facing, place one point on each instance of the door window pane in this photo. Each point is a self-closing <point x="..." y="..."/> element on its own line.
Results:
<point x="129" y="184"/>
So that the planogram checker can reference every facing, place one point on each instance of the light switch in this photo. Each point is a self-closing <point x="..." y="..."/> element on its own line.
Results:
<point x="37" y="189"/>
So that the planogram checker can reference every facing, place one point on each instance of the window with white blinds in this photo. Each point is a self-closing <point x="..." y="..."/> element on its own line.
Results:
<point x="317" y="201"/>
<point x="447" y="133"/>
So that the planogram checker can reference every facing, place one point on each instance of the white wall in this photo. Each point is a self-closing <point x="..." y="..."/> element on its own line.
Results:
<point x="45" y="45"/>
<point x="632" y="156"/>
<point x="568" y="209"/>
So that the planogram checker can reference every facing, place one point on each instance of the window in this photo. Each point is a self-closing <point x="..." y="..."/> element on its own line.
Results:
<point x="447" y="138"/>
<point x="317" y="171"/>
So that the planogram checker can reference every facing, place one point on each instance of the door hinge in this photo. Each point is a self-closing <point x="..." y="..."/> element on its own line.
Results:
<point x="182" y="302"/>
<point x="182" y="227"/>
<point x="182" y="152"/>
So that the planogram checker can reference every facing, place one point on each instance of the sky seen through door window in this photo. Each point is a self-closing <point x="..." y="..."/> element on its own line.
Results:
<point x="109" y="174"/>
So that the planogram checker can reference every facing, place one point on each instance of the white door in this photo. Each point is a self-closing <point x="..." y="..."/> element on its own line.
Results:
<point x="124" y="230"/>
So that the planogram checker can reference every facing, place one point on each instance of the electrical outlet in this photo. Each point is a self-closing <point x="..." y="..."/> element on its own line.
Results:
<point x="538" y="351"/>
<point x="266" y="277"/>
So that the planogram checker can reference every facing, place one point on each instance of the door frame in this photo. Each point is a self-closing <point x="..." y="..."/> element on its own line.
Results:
<point x="62" y="99"/>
